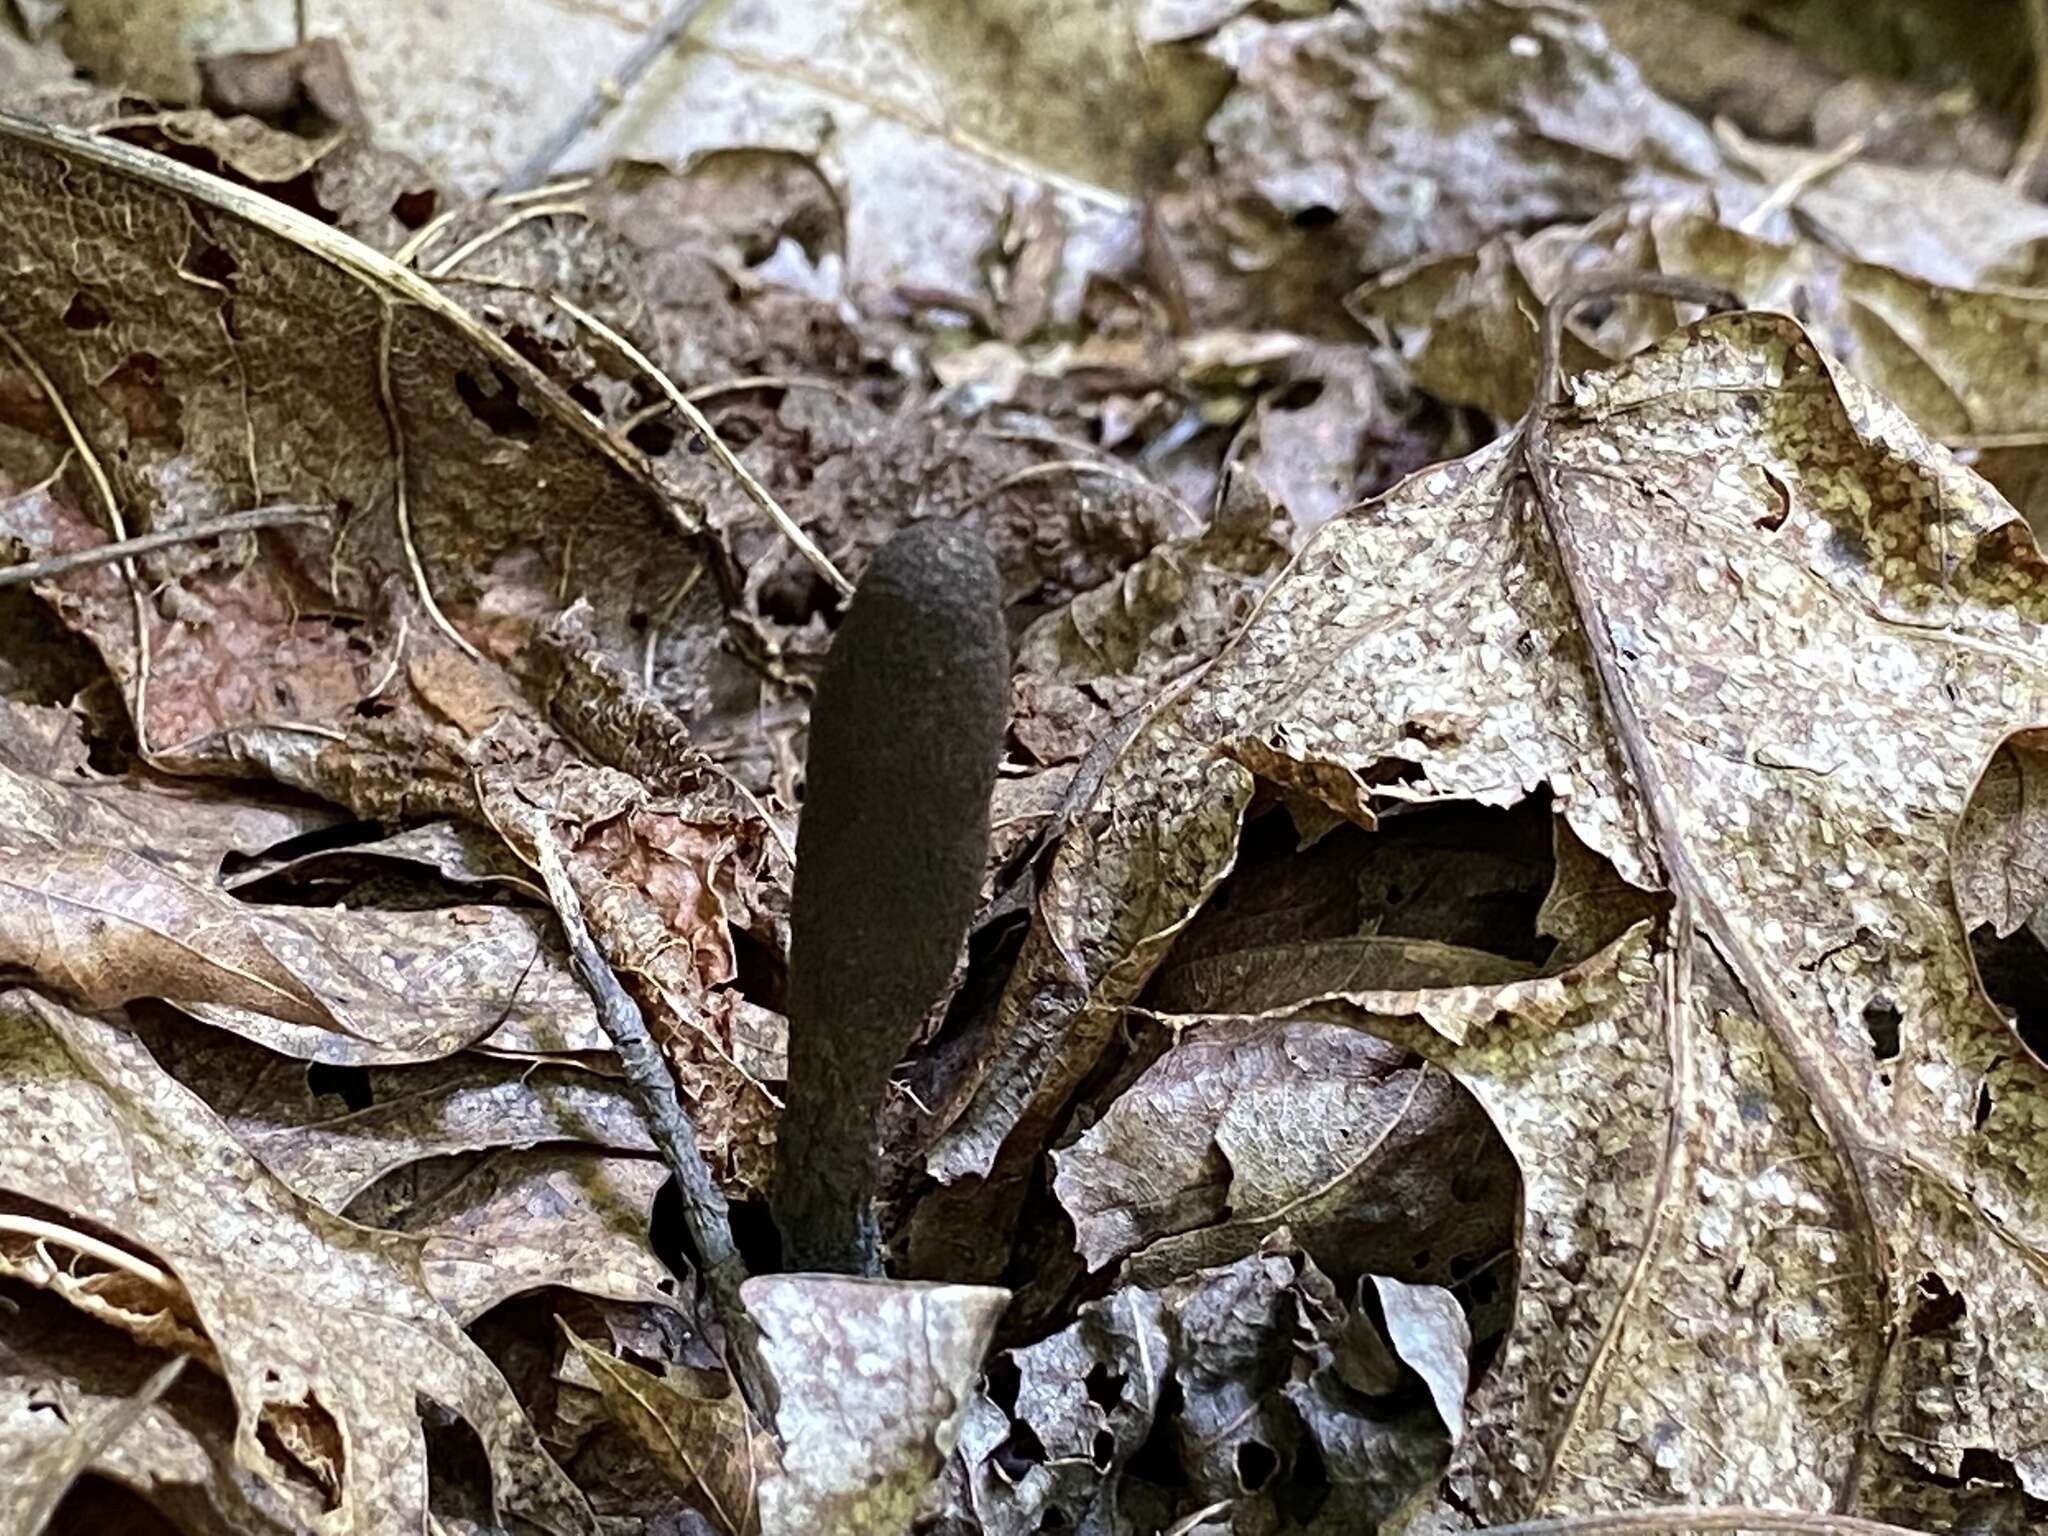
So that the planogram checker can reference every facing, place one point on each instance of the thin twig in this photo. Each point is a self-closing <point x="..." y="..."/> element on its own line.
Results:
<point x="610" y="92"/>
<point x="660" y="619"/>
<point x="167" y="538"/>
<point x="704" y="1207"/>
<point x="1809" y="174"/>
<point x="701" y="425"/>
<point x="87" y="1246"/>
<point x="1712" y="1517"/>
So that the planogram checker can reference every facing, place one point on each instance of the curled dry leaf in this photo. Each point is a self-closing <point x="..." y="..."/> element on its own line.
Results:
<point x="1223" y="1388"/>
<point x="1367" y="1156"/>
<point x="326" y="1333"/>
<point x="1784" y="1236"/>
<point x="112" y="889"/>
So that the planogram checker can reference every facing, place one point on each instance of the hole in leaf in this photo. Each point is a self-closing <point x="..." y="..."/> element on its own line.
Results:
<point x="1939" y="1311"/>
<point x="85" y="313"/>
<point x="413" y="209"/>
<point x="653" y="437"/>
<point x="1103" y="1450"/>
<point x="1105" y="1386"/>
<point x="349" y="1084"/>
<point x="214" y="263"/>
<point x="1881" y="1018"/>
<point x="498" y="408"/>
<point x="1256" y="1465"/>
<point x="1020" y="1452"/>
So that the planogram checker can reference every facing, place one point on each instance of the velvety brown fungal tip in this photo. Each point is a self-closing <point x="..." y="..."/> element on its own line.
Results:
<point x="905" y="732"/>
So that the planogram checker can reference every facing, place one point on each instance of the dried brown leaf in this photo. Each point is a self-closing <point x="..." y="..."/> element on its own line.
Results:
<point x="696" y="1429"/>
<point x="872" y="1380"/>
<point x="1783" y="1233"/>
<point x="61" y="1371"/>
<point x="522" y="1220"/>
<point x="326" y="1333"/>
<point x="329" y="1151"/>
<point x="1370" y="1159"/>
<point x="1379" y="134"/>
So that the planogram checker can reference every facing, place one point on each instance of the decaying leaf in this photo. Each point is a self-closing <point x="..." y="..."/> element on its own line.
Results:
<point x="1783" y="1234"/>
<point x="1234" y="1383"/>
<point x="326" y="1332"/>
<point x="696" y="1430"/>
<point x="873" y="1378"/>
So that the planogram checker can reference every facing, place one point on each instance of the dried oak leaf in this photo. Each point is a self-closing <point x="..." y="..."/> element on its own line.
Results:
<point x="61" y="1371"/>
<point x="694" y="1427"/>
<point x="217" y="350"/>
<point x="1388" y="131"/>
<point x="326" y="1332"/>
<point x="1786" y="1212"/>
<point x="1962" y="359"/>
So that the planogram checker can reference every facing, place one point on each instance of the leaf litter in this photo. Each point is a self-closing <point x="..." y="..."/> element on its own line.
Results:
<point x="1479" y="1012"/>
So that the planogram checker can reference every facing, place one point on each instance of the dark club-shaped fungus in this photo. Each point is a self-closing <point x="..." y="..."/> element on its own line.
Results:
<point x="905" y="732"/>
